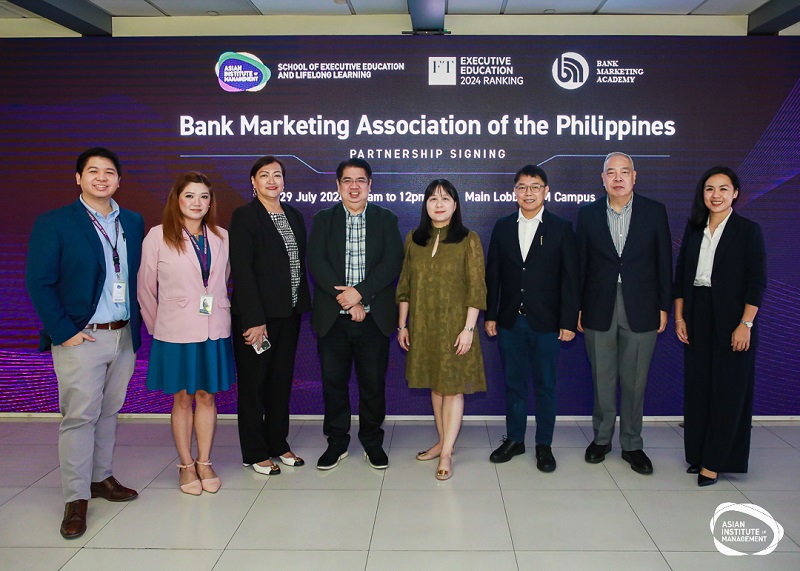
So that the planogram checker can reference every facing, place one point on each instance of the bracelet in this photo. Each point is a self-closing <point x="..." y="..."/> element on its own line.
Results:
<point x="403" y="327"/>
<point x="470" y="329"/>
<point x="678" y="321"/>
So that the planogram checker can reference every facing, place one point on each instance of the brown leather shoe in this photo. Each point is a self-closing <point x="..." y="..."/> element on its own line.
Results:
<point x="74" y="523"/>
<point x="112" y="490"/>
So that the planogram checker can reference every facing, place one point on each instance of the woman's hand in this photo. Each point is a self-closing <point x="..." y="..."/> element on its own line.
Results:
<point x="255" y="334"/>
<point x="403" y="339"/>
<point x="740" y="338"/>
<point x="681" y="332"/>
<point x="463" y="342"/>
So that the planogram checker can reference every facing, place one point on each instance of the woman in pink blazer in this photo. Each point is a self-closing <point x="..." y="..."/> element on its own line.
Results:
<point x="184" y="300"/>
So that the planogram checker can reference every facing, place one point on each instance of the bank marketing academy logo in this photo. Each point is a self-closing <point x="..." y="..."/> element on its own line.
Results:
<point x="241" y="71"/>
<point x="570" y="70"/>
<point x="744" y="529"/>
<point x="441" y="71"/>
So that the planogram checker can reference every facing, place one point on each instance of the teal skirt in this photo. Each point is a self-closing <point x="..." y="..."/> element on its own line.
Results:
<point x="205" y="366"/>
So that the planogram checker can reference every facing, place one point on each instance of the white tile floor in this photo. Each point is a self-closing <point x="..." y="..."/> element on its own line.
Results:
<point x="498" y="517"/>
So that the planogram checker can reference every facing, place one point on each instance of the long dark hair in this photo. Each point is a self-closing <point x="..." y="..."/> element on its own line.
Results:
<point x="699" y="216"/>
<point x="456" y="231"/>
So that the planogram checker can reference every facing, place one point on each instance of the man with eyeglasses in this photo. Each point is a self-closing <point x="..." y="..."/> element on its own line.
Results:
<point x="626" y="275"/>
<point x="532" y="307"/>
<point x="355" y="254"/>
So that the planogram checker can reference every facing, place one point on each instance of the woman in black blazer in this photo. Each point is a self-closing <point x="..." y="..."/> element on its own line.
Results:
<point x="720" y="280"/>
<point x="270" y="292"/>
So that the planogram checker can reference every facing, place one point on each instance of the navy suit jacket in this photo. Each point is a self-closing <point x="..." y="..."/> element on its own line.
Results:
<point x="545" y="282"/>
<point x="66" y="271"/>
<point x="738" y="276"/>
<point x="645" y="265"/>
<point x="326" y="260"/>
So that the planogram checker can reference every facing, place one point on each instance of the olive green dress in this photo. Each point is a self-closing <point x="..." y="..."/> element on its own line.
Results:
<point x="439" y="290"/>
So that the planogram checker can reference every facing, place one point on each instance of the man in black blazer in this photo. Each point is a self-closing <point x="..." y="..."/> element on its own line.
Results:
<point x="355" y="254"/>
<point x="81" y="276"/>
<point x="626" y="271"/>
<point x="532" y="305"/>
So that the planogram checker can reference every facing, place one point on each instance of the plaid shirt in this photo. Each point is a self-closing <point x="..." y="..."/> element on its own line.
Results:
<point x="355" y="249"/>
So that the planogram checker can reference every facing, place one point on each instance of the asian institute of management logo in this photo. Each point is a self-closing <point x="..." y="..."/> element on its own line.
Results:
<point x="570" y="70"/>
<point x="241" y="71"/>
<point x="744" y="529"/>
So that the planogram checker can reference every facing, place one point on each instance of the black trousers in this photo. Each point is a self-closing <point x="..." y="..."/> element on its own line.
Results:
<point x="717" y="395"/>
<point x="265" y="385"/>
<point x="349" y="342"/>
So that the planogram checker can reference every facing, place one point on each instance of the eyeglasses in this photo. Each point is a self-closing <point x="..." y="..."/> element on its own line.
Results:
<point x="360" y="181"/>
<point x="534" y="188"/>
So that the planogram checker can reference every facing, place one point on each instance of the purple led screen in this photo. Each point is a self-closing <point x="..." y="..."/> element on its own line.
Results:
<point x="470" y="109"/>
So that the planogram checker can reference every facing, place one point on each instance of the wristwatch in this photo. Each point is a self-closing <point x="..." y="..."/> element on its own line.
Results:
<point x="747" y="324"/>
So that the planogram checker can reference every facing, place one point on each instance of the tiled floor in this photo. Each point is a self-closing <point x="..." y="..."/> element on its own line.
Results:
<point x="498" y="517"/>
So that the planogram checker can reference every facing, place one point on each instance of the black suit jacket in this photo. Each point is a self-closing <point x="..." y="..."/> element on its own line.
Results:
<point x="66" y="271"/>
<point x="262" y="281"/>
<point x="738" y="276"/>
<point x="645" y="265"/>
<point x="545" y="282"/>
<point x="326" y="260"/>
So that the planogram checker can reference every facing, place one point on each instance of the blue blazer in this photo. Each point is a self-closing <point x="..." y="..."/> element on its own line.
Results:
<point x="546" y="281"/>
<point x="645" y="265"/>
<point x="66" y="270"/>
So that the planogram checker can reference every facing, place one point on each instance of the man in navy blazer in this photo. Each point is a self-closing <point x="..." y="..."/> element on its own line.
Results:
<point x="81" y="277"/>
<point x="626" y="271"/>
<point x="532" y="306"/>
<point x="355" y="254"/>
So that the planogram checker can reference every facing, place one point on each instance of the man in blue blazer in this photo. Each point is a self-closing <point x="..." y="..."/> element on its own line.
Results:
<point x="81" y="277"/>
<point x="355" y="254"/>
<point x="532" y="306"/>
<point x="626" y="271"/>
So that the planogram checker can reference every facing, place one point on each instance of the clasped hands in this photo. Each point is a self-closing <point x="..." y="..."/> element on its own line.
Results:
<point x="350" y="300"/>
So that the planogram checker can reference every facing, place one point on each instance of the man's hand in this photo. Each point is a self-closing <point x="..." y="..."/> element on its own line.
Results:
<point x="349" y="296"/>
<point x="77" y="339"/>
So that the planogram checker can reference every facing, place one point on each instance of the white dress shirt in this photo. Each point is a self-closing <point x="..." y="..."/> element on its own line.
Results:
<point x="708" y="247"/>
<point x="527" y="230"/>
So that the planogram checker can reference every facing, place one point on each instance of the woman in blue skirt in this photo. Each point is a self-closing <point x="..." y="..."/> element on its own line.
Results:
<point x="184" y="299"/>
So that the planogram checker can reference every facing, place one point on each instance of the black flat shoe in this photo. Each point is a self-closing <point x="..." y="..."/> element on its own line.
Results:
<point x="693" y="469"/>
<point x="703" y="481"/>
<point x="507" y="450"/>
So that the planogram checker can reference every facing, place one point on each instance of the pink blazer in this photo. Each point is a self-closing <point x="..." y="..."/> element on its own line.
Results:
<point x="170" y="286"/>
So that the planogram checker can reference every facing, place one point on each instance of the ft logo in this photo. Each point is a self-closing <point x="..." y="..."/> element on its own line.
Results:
<point x="570" y="70"/>
<point x="441" y="71"/>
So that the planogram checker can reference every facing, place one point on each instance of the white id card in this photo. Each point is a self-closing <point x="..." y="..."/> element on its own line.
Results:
<point x="118" y="292"/>
<point x="206" y="304"/>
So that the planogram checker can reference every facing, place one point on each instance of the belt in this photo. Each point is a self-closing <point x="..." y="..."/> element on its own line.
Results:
<point x="113" y="326"/>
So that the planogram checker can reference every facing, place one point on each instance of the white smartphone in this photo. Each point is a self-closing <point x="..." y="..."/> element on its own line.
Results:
<point x="261" y="346"/>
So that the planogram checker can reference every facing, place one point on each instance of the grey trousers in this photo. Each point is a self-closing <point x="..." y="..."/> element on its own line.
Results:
<point x="92" y="381"/>
<point x="619" y="354"/>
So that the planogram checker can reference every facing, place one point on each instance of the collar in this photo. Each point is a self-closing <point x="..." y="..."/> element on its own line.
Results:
<point x="348" y="215"/>
<point x="721" y="225"/>
<point x="111" y="215"/>
<point x="625" y="209"/>
<point x="538" y="217"/>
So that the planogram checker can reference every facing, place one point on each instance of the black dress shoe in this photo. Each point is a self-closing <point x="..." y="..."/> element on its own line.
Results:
<point x="638" y="460"/>
<point x="704" y="481"/>
<point x="693" y="469"/>
<point x="111" y="490"/>
<point x="545" y="461"/>
<point x="596" y="453"/>
<point x="74" y="523"/>
<point x="507" y="450"/>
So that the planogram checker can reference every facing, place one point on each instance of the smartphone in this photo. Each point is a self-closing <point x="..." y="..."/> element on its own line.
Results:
<point x="261" y="346"/>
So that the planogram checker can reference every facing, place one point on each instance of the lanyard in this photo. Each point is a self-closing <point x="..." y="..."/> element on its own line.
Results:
<point x="202" y="254"/>
<point x="114" y="252"/>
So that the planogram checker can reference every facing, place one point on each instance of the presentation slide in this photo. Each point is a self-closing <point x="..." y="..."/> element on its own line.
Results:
<point x="472" y="110"/>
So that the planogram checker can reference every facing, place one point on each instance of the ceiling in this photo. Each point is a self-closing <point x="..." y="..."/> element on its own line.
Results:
<point x="93" y="17"/>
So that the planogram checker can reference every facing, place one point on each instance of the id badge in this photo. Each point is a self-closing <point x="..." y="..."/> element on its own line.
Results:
<point x="118" y="292"/>
<point x="206" y="304"/>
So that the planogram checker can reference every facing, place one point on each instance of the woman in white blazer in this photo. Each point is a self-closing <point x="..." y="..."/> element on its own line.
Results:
<point x="183" y="295"/>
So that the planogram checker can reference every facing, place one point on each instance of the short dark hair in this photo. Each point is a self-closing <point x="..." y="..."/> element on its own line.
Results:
<point x="264" y="161"/>
<point x="699" y="216"/>
<point x="84" y="157"/>
<point x="357" y="163"/>
<point x="531" y="170"/>
<point x="456" y="231"/>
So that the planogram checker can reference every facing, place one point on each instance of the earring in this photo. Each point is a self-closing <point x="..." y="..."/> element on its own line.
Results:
<point x="255" y="194"/>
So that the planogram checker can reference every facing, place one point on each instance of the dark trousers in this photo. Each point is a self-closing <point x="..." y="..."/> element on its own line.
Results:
<point x="361" y="343"/>
<point x="717" y="394"/>
<point x="523" y="350"/>
<point x="265" y="384"/>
